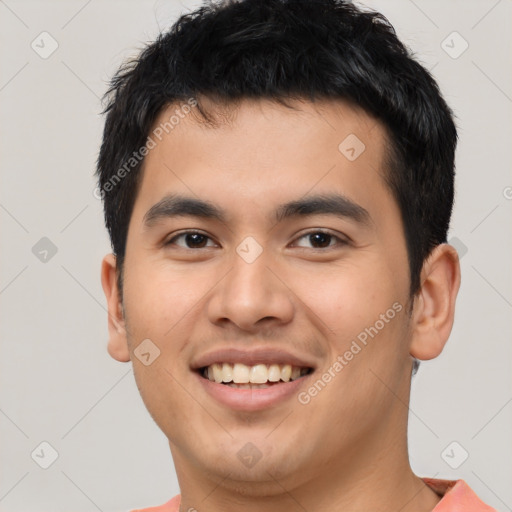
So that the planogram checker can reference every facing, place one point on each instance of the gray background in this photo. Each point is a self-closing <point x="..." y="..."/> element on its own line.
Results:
<point x="58" y="383"/>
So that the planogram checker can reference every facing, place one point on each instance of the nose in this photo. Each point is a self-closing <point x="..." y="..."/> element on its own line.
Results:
<point x="251" y="296"/>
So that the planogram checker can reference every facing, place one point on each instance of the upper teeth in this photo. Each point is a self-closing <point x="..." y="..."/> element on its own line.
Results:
<point x="258" y="374"/>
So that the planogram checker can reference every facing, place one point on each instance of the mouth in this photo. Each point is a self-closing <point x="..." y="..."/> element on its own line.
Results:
<point x="258" y="376"/>
<point x="252" y="380"/>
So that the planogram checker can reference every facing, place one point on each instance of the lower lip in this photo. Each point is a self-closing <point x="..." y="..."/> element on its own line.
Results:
<point x="252" y="399"/>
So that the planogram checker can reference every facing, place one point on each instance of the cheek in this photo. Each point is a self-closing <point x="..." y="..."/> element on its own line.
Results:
<point x="346" y="299"/>
<point x="160" y="299"/>
<point x="160" y="306"/>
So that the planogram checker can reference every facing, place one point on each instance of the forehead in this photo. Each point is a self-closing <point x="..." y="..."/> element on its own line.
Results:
<point x="256" y="151"/>
<point x="320" y="123"/>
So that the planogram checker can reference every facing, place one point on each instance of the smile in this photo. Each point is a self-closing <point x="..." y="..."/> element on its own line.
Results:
<point x="258" y="376"/>
<point x="252" y="380"/>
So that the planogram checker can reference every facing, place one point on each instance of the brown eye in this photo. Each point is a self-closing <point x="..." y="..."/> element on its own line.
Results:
<point x="191" y="239"/>
<point x="321" y="240"/>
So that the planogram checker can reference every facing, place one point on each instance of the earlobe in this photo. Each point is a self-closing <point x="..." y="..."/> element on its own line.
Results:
<point x="434" y="306"/>
<point x="117" y="342"/>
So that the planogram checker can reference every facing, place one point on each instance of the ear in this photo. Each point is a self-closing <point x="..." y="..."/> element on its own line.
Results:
<point x="117" y="341"/>
<point x="434" y="304"/>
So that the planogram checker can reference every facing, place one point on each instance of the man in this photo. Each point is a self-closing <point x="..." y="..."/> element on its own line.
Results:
<point x="277" y="180"/>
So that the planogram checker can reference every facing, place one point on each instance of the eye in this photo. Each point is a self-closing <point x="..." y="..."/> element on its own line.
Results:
<point x="191" y="240"/>
<point x="321" y="240"/>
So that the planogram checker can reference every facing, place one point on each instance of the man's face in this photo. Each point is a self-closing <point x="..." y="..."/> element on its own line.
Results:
<point x="266" y="288"/>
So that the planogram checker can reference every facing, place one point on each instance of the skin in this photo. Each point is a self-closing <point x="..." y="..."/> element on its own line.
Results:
<point x="347" y="448"/>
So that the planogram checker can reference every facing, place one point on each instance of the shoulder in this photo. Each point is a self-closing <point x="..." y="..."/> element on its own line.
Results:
<point x="172" y="505"/>
<point x="457" y="496"/>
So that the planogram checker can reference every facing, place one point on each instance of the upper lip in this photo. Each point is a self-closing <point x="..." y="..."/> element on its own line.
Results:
<point x="251" y="358"/>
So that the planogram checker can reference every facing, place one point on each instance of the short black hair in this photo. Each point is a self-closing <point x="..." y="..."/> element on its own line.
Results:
<point x="278" y="50"/>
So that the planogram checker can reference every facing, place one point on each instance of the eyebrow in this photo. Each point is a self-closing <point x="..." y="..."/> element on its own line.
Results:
<point x="328" y="204"/>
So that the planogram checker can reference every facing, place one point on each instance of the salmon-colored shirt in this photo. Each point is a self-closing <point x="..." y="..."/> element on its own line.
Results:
<point x="457" y="496"/>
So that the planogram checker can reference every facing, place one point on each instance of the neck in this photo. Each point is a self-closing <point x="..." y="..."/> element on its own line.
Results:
<point x="369" y="478"/>
<point x="371" y="471"/>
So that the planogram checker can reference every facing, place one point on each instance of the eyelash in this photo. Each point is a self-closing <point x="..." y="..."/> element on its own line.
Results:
<point x="340" y="242"/>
